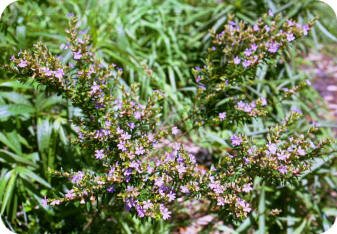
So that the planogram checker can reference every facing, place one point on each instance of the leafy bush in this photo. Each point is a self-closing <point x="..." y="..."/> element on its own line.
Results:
<point x="171" y="38"/>
<point x="134" y="167"/>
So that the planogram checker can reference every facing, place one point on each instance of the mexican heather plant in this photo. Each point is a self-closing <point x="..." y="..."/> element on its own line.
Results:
<point x="134" y="165"/>
<point x="235" y="57"/>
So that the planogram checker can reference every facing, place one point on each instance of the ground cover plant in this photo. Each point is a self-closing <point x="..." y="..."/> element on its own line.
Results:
<point x="229" y="118"/>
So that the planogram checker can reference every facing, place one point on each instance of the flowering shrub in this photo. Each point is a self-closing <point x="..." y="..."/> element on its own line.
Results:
<point x="233" y="64"/>
<point x="138" y="162"/>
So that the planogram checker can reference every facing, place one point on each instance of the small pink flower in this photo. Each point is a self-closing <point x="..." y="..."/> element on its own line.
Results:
<point x="99" y="154"/>
<point x="59" y="73"/>
<point x="273" y="47"/>
<point x="175" y="130"/>
<point x="247" y="188"/>
<point x="44" y="202"/>
<point x="77" y="55"/>
<point x="23" y="63"/>
<point x="301" y="151"/>
<point x="236" y="140"/>
<point x="290" y="37"/>
<point x="237" y="60"/>
<point x="70" y="195"/>
<point x="184" y="189"/>
<point x="246" y="63"/>
<point x="165" y="212"/>
<point x="221" y="201"/>
<point x="282" y="169"/>
<point x="137" y="115"/>
<point x="222" y="115"/>
<point x="305" y="29"/>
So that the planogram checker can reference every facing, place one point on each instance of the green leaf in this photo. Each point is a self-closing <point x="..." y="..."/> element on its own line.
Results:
<point x="11" y="157"/>
<point x="8" y="191"/>
<point x="10" y="140"/>
<point x="44" y="131"/>
<point x="30" y="176"/>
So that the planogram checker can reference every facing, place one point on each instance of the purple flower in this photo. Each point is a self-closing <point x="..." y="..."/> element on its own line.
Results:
<point x="77" y="55"/>
<point x="222" y="115"/>
<point x="137" y="115"/>
<point x="129" y="203"/>
<point x="131" y="125"/>
<point x="121" y="146"/>
<point x="197" y="68"/>
<point x="263" y="101"/>
<point x="232" y="23"/>
<point x="140" y="211"/>
<point x="59" y="73"/>
<point x="125" y="136"/>
<point x="272" y="148"/>
<point x="198" y="79"/>
<point x="221" y="201"/>
<point x="244" y="205"/>
<point x="135" y="165"/>
<point x="296" y="110"/>
<point x="305" y="29"/>
<point x="251" y="150"/>
<point x="253" y="47"/>
<point x="159" y="182"/>
<point x="184" y="189"/>
<point x="246" y="63"/>
<point x="301" y="151"/>
<point x="213" y="48"/>
<point x="23" y="63"/>
<point x="77" y="178"/>
<point x="70" y="15"/>
<point x="236" y="140"/>
<point x="290" y="37"/>
<point x="99" y="154"/>
<point x="140" y="150"/>
<point x="247" y="52"/>
<point x="80" y="41"/>
<point x="282" y="156"/>
<point x="175" y="130"/>
<point x="165" y="212"/>
<point x="70" y="194"/>
<point x="247" y="188"/>
<point x="273" y="47"/>
<point x="290" y="23"/>
<point x="44" y="202"/>
<point x="270" y="13"/>
<point x="267" y="28"/>
<point x="130" y="189"/>
<point x="150" y="137"/>
<point x="46" y="71"/>
<point x="237" y="60"/>
<point x="216" y="187"/>
<point x="241" y="105"/>
<point x="248" y="108"/>
<point x="181" y="169"/>
<point x="110" y="189"/>
<point x="171" y="196"/>
<point x="256" y="27"/>
<point x="282" y="169"/>
<point x="147" y="204"/>
<point x="95" y="88"/>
